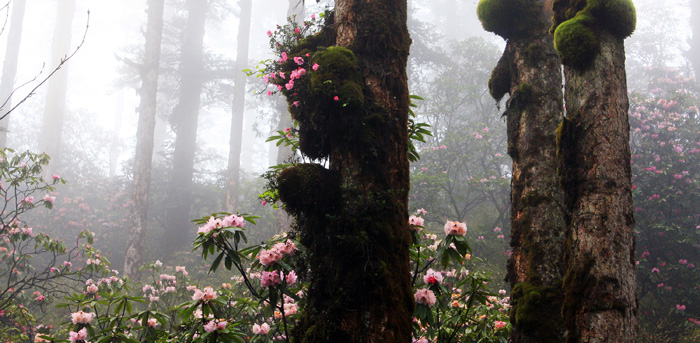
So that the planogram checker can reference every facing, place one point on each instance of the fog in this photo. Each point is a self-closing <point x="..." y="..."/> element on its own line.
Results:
<point x="463" y="175"/>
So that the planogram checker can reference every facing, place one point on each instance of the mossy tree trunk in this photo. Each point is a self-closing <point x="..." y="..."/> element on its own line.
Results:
<point x="600" y="303"/>
<point x="600" y="283"/>
<point x="530" y="71"/>
<point x="360" y="287"/>
<point x="143" y="157"/>
<point x="535" y="109"/>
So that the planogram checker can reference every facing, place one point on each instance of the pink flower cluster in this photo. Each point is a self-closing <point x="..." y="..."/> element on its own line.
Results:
<point x="218" y="223"/>
<point x="426" y="297"/>
<point x="81" y="317"/>
<point x="432" y="277"/>
<point x="415" y="223"/>
<point x="455" y="228"/>
<point x="215" y="325"/>
<point x="262" y="329"/>
<point x="77" y="336"/>
<point x="204" y="295"/>
<point x="276" y="253"/>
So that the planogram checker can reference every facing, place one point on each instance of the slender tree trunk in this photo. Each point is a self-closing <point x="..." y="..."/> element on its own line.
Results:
<point x="184" y="121"/>
<point x="238" y="106"/>
<point x="133" y="257"/>
<point x="535" y="109"/>
<point x="360" y="287"/>
<point x="600" y="302"/>
<point x="55" y="107"/>
<point x="9" y="67"/>
<point x="114" y="148"/>
<point x="694" y="53"/>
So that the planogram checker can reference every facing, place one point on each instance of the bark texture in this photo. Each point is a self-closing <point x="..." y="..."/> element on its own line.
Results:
<point x="143" y="157"/>
<point x="238" y="106"/>
<point x="55" y="107"/>
<point x="600" y="302"/>
<point x="9" y="67"/>
<point x="535" y="109"/>
<point x="356" y="236"/>
<point x="530" y="71"/>
<point x="184" y="123"/>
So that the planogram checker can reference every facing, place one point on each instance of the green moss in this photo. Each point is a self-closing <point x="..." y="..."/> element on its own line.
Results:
<point x="536" y="308"/>
<point x="309" y="188"/>
<point x="507" y="18"/>
<point x="576" y="42"/>
<point x="620" y="17"/>
<point x="499" y="83"/>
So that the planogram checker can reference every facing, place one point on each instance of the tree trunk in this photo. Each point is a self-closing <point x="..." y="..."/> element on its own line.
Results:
<point x="530" y="71"/>
<point x="114" y="146"/>
<point x="694" y="53"/>
<point x="9" y="67"/>
<point x="238" y="106"/>
<point x="535" y="109"/>
<point x="133" y="257"/>
<point x="600" y="303"/>
<point x="360" y="287"/>
<point x="184" y="122"/>
<point x="55" y="107"/>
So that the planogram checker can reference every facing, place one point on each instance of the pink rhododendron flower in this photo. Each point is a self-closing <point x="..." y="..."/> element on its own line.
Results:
<point x="152" y="322"/>
<point x="290" y="278"/>
<point x="269" y="33"/>
<point x="425" y="296"/>
<point x="269" y="257"/>
<point x="270" y="279"/>
<point x="432" y="277"/>
<point x="315" y="66"/>
<point x="297" y="30"/>
<point x="210" y="326"/>
<point x="284" y="58"/>
<point x="298" y="60"/>
<point x="336" y="98"/>
<point x="680" y="307"/>
<point x="92" y="289"/>
<point x="38" y="339"/>
<point x="81" y="317"/>
<point x="55" y="176"/>
<point x="233" y="220"/>
<point x="499" y="325"/>
<point x="49" y="198"/>
<point x="261" y="329"/>
<point x="28" y="200"/>
<point x="77" y="336"/>
<point x="455" y="228"/>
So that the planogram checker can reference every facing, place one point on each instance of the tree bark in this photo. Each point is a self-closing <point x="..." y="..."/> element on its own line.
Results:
<point x="55" y="106"/>
<point x="360" y="287"/>
<point x="535" y="109"/>
<point x="600" y="302"/>
<point x="143" y="157"/>
<point x="9" y="67"/>
<point x="238" y="106"/>
<point x="184" y="122"/>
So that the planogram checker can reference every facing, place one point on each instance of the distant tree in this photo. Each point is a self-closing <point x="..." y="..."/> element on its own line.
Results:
<point x="55" y="106"/>
<point x="600" y="301"/>
<point x="238" y="106"/>
<point x="133" y="256"/>
<point x="694" y="53"/>
<point x="184" y="123"/>
<point x="9" y="67"/>
<point x="530" y="72"/>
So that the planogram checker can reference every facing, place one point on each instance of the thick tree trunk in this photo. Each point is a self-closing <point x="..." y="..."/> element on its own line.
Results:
<point x="238" y="106"/>
<point x="536" y="267"/>
<point x="184" y="121"/>
<point x="9" y="67"/>
<point x="133" y="257"/>
<point x="55" y="107"/>
<point x="360" y="287"/>
<point x="600" y="302"/>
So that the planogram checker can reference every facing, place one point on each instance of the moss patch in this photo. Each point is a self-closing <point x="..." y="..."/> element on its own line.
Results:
<point x="507" y="18"/>
<point x="619" y="16"/>
<point x="576" y="42"/>
<point x="309" y="188"/>
<point x="535" y="307"/>
<point x="499" y="83"/>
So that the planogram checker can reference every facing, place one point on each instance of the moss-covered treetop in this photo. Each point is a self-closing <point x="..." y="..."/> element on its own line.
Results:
<point x="577" y="25"/>
<point x="508" y="18"/>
